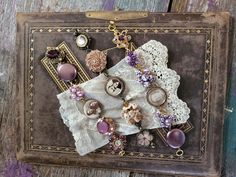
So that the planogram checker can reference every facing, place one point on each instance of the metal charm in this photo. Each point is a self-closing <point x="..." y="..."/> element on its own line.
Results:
<point x="114" y="86"/>
<point x="92" y="109"/>
<point x="82" y="40"/>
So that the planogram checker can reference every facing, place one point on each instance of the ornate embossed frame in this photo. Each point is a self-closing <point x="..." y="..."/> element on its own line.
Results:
<point x="215" y="29"/>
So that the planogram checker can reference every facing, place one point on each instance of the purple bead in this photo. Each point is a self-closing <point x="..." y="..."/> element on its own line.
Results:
<point x="73" y="90"/>
<point x="78" y="98"/>
<point x="66" y="72"/>
<point x="132" y="59"/>
<point x="121" y="38"/>
<point x="175" y="138"/>
<point x="168" y="122"/>
<point x="103" y="127"/>
<point x="80" y="94"/>
<point x="53" y="54"/>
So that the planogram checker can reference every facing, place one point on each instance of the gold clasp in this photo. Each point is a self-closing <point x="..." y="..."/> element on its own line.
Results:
<point x="112" y="26"/>
<point x="122" y="153"/>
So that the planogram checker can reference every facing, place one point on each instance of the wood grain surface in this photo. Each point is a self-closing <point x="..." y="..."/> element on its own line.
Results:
<point x="8" y="122"/>
<point x="229" y="169"/>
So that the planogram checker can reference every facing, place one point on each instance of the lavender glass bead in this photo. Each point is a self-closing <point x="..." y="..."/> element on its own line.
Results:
<point x="132" y="59"/>
<point x="66" y="72"/>
<point x="175" y="138"/>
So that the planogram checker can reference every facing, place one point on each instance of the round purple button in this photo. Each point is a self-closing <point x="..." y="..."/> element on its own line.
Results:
<point x="103" y="127"/>
<point x="175" y="138"/>
<point x="66" y="72"/>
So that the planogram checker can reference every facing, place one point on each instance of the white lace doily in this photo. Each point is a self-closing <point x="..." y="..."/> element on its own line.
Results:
<point x="154" y="55"/>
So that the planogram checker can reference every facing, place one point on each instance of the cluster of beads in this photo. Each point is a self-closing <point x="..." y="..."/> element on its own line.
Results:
<point x="76" y="93"/>
<point x="165" y="120"/>
<point x="145" y="77"/>
<point x="132" y="113"/>
<point x="156" y="96"/>
<point x="132" y="59"/>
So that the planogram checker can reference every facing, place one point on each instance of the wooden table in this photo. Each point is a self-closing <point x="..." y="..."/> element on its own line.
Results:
<point x="8" y="122"/>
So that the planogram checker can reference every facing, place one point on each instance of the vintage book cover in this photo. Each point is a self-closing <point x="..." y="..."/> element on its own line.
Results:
<point x="197" y="47"/>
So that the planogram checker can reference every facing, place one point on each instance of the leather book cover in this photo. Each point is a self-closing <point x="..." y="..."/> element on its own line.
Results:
<point x="197" y="47"/>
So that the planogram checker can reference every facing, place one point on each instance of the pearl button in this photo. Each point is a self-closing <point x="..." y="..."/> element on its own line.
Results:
<point x="81" y="41"/>
<point x="156" y="96"/>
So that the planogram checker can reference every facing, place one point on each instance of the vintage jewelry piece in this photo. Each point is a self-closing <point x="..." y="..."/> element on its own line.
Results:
<point x="121" y="39"/>
<point x="82" y="40"/>
<point x="114" y="86"/>
<point x="144" y="138"/>
<point x="66" y="71"/>
<point x="96" y="61"/>
<point x="118" y="143"/>
<point x="132" y="113"/>
<point x="157" y="97"/>
<point x="105" y="125"/>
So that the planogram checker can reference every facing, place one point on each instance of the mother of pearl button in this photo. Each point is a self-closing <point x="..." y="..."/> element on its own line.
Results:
<point x="156" y="96"/>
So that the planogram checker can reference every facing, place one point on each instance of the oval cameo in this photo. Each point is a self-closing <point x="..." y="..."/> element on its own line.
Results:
<point x="114" y="86"/>
<point x="92" y="109"/>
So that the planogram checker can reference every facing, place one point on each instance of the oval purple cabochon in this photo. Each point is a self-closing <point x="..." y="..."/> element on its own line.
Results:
<point x="66" y="72"/>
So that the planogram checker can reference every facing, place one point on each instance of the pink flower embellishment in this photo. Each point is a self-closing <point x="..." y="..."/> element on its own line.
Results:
<point x="144" y="138"/>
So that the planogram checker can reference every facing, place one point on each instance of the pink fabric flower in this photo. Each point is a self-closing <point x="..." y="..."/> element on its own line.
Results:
<point x="144" y="138"/>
